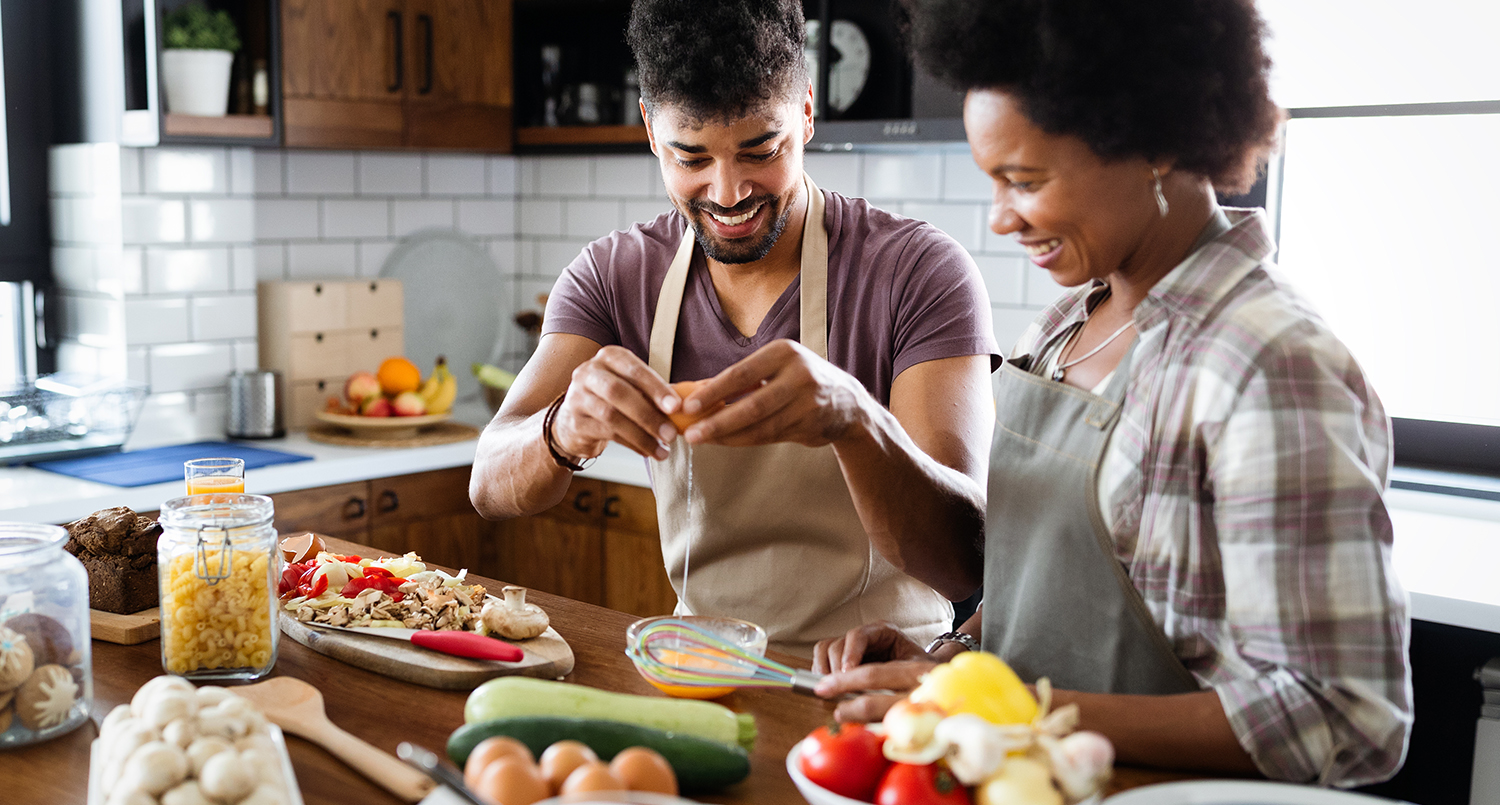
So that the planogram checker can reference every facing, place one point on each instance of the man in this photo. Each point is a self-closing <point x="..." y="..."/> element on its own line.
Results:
<point x="853" y="345"/>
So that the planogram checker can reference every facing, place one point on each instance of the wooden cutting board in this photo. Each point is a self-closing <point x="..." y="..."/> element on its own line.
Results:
<point x="547" y="657"/>
<point x="127" y="630"/>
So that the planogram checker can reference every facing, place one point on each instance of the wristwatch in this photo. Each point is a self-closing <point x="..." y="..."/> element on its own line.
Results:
<point x="964" y="638"/>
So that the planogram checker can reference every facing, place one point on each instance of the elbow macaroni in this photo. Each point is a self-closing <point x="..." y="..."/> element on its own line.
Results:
<point x="221" y="626"/>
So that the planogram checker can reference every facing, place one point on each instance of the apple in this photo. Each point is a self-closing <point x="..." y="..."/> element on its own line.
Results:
<point x="409" y="403"/>
<point x="361" y="387"/>
<point x="379" y="406"/>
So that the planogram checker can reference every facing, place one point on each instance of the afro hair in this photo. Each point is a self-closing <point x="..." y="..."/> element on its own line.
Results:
<point x="717" y="59"/>
<point x="1185" y="80"/>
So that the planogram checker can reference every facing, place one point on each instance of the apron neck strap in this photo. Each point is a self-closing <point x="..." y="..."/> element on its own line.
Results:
<point x="813" y="277"/>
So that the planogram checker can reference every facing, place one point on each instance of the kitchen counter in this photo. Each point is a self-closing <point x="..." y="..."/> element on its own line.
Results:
<point x="1447" y="545"/>
<point x="37" y="496"/>
<point x="385" y="712"/>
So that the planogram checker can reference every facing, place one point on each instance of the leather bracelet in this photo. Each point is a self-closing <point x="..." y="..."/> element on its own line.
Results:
<point x="962" y="638"/>
<point x="557" y="455"/>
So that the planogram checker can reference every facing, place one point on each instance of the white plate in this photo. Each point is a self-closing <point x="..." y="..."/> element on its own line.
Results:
<point x="294" y="794"/>
<point x="1239" y="792"/>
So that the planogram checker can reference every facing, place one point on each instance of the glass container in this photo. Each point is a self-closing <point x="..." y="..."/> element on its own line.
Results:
<point x="46" y="683"/>
<point x="219" y="564"/>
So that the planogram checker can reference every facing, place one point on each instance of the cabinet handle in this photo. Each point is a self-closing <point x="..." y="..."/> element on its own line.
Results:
<point x="354" y="508"/>
<point x="425" y="20"/>
<point x="398" y="50"/>
<point x="612" y="506"/>
<point x="388" y="502"/>
<point x="582" y="502"/>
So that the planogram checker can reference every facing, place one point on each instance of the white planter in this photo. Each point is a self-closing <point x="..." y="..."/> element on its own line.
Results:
<point x="197" y="81"/>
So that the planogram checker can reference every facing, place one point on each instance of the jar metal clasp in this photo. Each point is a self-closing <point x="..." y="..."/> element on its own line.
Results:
<point x="226" y="550"/>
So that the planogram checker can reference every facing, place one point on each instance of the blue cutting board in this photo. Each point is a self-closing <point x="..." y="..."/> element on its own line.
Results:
<point x="160" y="464"/>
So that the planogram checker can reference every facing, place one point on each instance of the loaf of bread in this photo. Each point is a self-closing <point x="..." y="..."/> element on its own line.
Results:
<point x="118" y="548"/>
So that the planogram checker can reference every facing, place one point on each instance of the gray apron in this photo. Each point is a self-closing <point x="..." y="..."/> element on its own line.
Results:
<point x="772" y="535"/>
<point x="1057" y="602"/>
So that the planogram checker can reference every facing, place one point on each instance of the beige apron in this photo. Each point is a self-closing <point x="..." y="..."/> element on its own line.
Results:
<point x="774" y="534"/>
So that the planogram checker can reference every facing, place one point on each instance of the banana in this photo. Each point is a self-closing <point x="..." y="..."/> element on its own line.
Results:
<point x="440" y="388"/>
<point x="493" y="376"/>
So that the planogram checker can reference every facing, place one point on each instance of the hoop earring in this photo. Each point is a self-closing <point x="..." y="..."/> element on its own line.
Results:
<point x="1161" y="199"/>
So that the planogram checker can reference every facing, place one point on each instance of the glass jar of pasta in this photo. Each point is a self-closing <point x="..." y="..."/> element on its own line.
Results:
<point x="45" y="681"/>
<point x="219" y="564"/>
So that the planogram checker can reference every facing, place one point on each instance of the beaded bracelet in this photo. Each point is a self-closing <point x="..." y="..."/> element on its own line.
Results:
<point x="557" y="455"/>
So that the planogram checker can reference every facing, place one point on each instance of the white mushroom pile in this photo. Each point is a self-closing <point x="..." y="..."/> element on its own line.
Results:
<point x="175" y="744"/>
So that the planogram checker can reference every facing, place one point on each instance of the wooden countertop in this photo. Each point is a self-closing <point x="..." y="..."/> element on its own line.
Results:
<point x="385" y="712"/>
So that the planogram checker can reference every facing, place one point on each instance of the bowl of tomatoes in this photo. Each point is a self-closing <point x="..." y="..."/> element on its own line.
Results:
<point x="844" y="764"/>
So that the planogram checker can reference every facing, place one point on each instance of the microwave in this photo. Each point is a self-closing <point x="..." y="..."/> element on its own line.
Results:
<point x="865" y="88"/>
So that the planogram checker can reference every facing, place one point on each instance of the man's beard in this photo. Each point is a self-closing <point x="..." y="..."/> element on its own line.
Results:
<point x="738" y="251"/>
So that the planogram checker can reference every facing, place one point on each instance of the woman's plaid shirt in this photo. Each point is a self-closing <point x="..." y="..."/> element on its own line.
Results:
<point x="1243" y="490"/>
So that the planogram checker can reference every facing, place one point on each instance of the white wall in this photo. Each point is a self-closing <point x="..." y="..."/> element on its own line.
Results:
<point x="157" y="251"/>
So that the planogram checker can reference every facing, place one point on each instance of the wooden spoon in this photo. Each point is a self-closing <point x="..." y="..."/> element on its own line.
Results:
<point x="297" y="707"/>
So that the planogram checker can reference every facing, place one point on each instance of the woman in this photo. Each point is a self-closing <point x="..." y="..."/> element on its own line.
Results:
<point x="1185" y="529"/>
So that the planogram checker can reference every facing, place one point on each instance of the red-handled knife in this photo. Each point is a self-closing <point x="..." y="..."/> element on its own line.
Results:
<point x="459" y="644"/>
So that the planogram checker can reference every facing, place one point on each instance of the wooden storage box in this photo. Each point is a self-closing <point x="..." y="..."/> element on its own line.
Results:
<point x="318" y="332"/>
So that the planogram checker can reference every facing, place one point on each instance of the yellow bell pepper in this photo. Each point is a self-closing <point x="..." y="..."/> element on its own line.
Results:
<point x="980" y="683"/>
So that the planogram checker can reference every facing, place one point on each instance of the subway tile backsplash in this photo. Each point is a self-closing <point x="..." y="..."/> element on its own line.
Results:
<point x="157" y="251"/>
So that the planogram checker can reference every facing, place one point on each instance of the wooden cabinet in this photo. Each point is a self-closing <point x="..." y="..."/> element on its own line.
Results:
<point x="600" y="544"/>
<point x="427" y="512"/>
<point x="428" y="74"/>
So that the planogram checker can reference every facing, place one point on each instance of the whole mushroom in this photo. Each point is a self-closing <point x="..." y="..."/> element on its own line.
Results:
<point x="512" y="617"/>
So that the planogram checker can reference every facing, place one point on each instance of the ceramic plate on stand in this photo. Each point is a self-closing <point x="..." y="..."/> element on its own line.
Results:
<point x="455" y="302"/>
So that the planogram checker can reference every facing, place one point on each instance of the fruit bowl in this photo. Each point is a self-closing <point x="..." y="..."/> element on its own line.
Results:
<point x="812" y="792"/>
<point x="383" y="427"/>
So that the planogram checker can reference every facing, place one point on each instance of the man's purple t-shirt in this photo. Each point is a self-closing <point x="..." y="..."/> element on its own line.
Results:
<point x="900" y="292"/>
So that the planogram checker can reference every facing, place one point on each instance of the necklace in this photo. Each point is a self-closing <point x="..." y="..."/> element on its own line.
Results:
<point x="1057" y="374"/>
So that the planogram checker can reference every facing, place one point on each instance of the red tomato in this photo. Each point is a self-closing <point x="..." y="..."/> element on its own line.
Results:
<point x="930" y="784"/>
<point x="845" y="759"/>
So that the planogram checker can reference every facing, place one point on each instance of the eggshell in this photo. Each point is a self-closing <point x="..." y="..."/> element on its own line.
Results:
<point x="644" y="769"/>
<point x="594" y="776"/>
<point x="512" y="781"/>
<point x="560" y="759"/>
<point x="490" y="750"/>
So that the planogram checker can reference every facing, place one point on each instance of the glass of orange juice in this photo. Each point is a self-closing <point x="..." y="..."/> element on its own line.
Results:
<point x="206" y="476"/>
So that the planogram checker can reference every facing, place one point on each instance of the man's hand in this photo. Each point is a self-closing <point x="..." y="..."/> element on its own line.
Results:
<point x="614" y="396"/>
<point x="873" y="642"/>
<point x="790" y="395"/>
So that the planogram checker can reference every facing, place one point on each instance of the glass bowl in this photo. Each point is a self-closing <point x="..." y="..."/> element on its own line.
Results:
<point x="743" y="634"/>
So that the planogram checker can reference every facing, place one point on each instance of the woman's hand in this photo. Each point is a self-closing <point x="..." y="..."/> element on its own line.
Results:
<point x="793" y="396"/>
<point x="614" y="396"/>
<point x="873" y="642"/>
<point x="886" y="683"/>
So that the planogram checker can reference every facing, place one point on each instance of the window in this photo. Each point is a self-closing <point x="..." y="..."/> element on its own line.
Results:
<point x="1385" y="198"/>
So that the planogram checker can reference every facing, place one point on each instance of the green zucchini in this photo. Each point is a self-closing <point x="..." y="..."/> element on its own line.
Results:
<point x="513" y="696"/>
<point x="700" y="765"/>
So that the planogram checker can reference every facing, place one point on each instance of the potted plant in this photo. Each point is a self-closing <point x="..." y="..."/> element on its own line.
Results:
<point x="195" y="63"/>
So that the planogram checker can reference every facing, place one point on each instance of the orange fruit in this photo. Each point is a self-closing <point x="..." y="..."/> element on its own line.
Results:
<point x="397" y="375"/>
<point x="682" y="420"/>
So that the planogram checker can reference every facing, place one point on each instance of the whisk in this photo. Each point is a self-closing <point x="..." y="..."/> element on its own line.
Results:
<point x="725" y="665"/>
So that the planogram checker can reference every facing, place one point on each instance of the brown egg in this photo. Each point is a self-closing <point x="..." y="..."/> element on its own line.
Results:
<point x="594" y="776"/>
<point x="644" y="769"/>
<point x="488" y="751"/>
<point x="512" y="781"/>
<point x="561" y="758"/>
